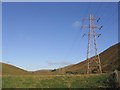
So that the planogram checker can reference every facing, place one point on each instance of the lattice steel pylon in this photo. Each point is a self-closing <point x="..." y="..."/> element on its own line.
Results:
<point x="93" y="59"/>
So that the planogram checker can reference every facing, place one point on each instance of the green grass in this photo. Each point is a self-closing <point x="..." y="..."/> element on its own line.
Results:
<point x="55" y="81"/>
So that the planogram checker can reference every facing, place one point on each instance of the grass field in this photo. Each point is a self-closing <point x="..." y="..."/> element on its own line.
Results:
<point x="56" y="81"/>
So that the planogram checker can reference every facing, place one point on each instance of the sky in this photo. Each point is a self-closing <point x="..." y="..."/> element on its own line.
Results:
<point x="47" y="35"/>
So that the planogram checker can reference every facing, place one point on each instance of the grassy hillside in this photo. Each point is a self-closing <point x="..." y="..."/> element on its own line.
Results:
<point x="14" y="77"/>
<point x="109" y="60"/>
<point x="12" y="70"/>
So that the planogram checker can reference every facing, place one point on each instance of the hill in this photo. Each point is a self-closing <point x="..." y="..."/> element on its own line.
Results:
<point x="8" y="69"/>
<point x="109" y="60"/>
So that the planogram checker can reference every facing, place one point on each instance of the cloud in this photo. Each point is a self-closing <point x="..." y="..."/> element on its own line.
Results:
<point x="61" y="63"/>
<point x="76" y="24"/>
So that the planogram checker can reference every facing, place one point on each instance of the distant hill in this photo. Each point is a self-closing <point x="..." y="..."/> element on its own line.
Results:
<point x="43" y="72"/>
<point x="109" y="60"/>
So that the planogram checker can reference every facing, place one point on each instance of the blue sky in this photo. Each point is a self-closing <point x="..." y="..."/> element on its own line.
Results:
<point x="47" y="35"/>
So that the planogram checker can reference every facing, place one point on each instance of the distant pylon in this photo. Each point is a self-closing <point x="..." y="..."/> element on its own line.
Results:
<point x="93" y="64"/>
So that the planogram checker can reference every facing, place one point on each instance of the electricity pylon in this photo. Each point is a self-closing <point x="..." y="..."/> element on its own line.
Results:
<point x="93" y="59"/>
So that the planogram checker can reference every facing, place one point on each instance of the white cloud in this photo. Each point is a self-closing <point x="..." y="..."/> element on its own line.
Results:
<point x="61" y="63"/>
<point x="76" y="24"/>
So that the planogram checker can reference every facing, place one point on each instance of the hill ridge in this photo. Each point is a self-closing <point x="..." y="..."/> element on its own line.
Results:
<point x="109" y="59"/>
